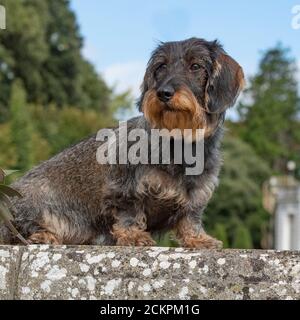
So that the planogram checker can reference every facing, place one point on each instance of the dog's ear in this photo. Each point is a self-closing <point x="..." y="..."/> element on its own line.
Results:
<point x="224" y="84"/>
<point x="148" y="77"/>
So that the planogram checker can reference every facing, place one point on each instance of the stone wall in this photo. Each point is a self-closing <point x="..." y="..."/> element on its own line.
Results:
<point x="91" y="272"/>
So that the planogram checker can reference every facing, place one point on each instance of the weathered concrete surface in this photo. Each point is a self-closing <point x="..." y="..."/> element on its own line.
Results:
<point x="9" y="264"/>
<point x="91" y="272"/>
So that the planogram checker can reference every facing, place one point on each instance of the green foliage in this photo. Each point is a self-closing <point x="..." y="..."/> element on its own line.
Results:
<point x="21" y="127"/>
<point x="50" y="95"/>
<point x="23" y="48"/>
<point x="219" y="232"/>
<point x="270" y="108"/>
<point x="166" y="240"/>
<point x="42" y="47"/>
<point x="8" y="157"/>
<point x="60" y="128"/>
<point x="5" y="205"/>
<point x="242" y="238"/>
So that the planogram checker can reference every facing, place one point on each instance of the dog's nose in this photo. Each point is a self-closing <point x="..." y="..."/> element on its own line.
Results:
<point x="165" y="93"/>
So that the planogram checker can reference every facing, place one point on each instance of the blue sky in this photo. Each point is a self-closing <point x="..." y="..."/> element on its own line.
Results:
<point x="120" y="34"/>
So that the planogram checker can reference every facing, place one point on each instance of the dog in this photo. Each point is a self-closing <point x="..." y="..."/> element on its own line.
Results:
<point x="72" y="199"/>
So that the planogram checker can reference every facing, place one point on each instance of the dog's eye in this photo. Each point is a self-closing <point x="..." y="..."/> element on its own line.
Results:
<point x="163" y="66"/>
<point x="195" y="67"/>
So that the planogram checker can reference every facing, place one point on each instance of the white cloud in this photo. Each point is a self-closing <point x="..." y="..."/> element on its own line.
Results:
<point x="120" y="76"/>
<point x="124" y="76"/>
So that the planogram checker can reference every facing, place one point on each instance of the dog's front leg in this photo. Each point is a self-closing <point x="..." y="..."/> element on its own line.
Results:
<point x="190" y="234"/>
<point x="131" y="230"/>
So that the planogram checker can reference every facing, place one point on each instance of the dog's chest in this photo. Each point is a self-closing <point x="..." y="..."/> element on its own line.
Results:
<point x="163" y="196"/>
<point x="160" y="186"/>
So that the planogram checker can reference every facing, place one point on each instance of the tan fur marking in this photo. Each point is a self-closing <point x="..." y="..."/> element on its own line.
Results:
<point x="132" y="236"/>
<point x="185" y="113"/>
<point x="203" y="241"/>
<point x="44" y="237"/>
<point x="190" y="238"/>
<point x="241" y="79"/>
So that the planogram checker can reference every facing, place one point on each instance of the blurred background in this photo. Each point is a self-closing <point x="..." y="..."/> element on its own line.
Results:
<point x="69" y="68"/>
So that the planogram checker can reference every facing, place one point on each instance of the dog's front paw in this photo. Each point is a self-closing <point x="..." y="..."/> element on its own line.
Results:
<point x="43" y="237"/>
<point x="142" y="241"/>
<point x="132" y="236"/>
<point x="202" y="241"/>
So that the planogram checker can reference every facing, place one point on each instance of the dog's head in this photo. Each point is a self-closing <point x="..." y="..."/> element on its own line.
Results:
<point x="189" y="85"/>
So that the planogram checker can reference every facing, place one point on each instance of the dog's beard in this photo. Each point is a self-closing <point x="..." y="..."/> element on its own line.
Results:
<point x="182" y="112"/>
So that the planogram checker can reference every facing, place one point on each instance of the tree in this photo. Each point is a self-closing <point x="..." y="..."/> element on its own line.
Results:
<point x="42" y="47"/>
<point x="21" y="127"/>
<point x="270" y="108"/>
<point x="23" y="49"/>
<point x="79" y="84"/>
<point x="7" y="149"/>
